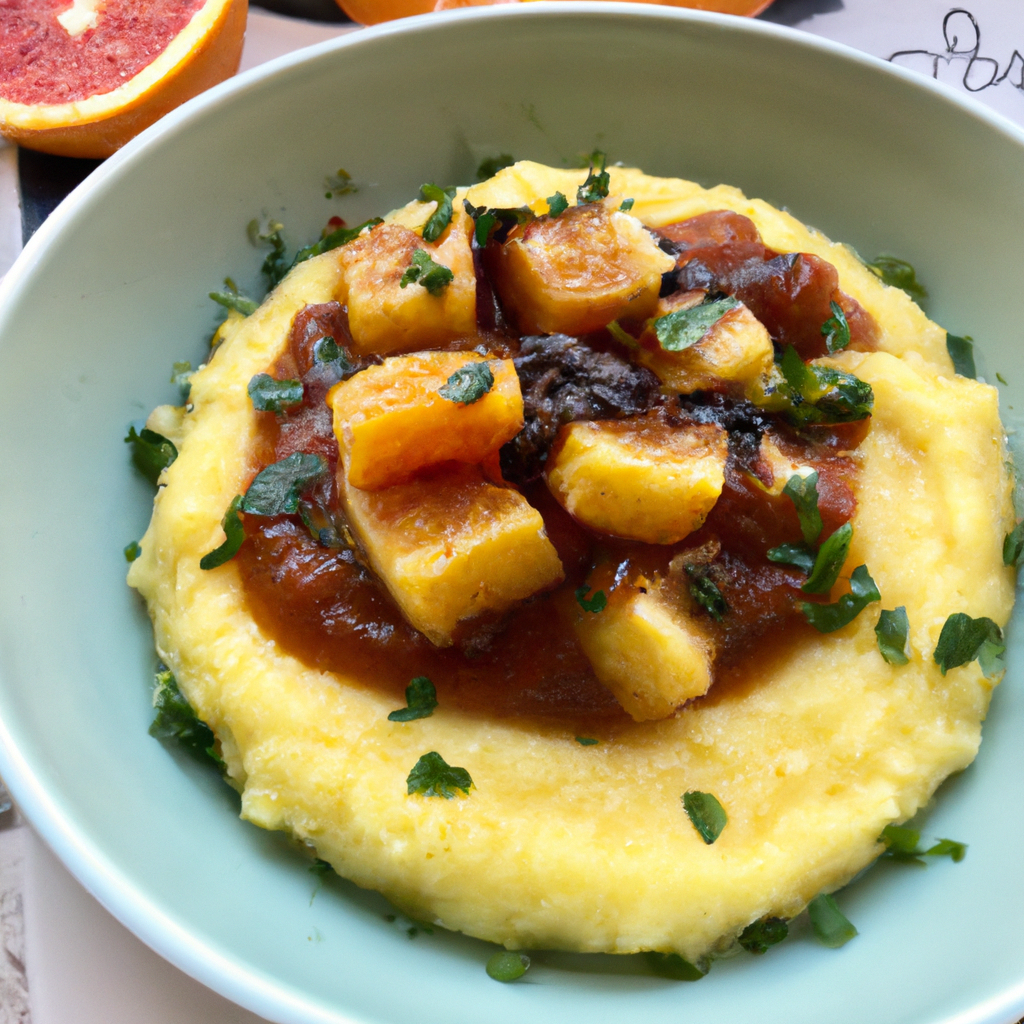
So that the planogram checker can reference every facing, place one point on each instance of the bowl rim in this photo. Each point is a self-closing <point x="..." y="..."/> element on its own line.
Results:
<point x="85" y="860"/>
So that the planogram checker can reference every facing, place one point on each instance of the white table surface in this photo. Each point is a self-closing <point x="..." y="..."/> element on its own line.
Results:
<point x="63" y="958"/>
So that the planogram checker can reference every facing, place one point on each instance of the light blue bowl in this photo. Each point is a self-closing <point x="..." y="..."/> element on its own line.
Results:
<point x="113" y="289"/>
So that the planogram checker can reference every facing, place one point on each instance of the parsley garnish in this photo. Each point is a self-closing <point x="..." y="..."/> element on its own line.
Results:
<point x="334" y="240"/>
<point x="231" y="298"/>
<point x="433" y="776"/>
<point x="800" y="555"/>
<point x="705" y="592"/>
<point x="557" y="204"/>
<point x="175" y="719"/>
<point x="627" y="205"/>
<point x="685" y="327"/>
<point x="587" y="741"/>
<point x="893" y="633"/>
<point x="594" y="604"/>
<point x="1001" y="379"/>
<point x="420" y="699"/>
<point x="435" y="277"/>
<point x="1013" y="545"/>
<point x="276" y="265"/>
<point x="132" y="551"/>
<point x="152" y="453"/>
<point x="902" y="844"/>
<point x="181" y="374"/>
<point x="277" y="488"/>
<point x="499" y="221"/>
<point x="830" y="558"/>
<point x="706" y="814"/>
<point x="674" y="967"/>
<point x="442" y="216"/>
<point x="322" y="528"/>
<point x="327" y="352"/>
<point x="270" y="395"/>
<point x="963" y="639"/>
<point x="961" y="351"/>
<point x="827" y="618"/>
<point x="761" y="935"/>
<point x="339" y="184"/>
<point x="899" y="274"/>
<point x="234" y="534"/>
<point x="595" y="188"/>
<point x="831" y="928"/>
<point x="489" y="168"/>
<point x="468" y="384"/>
<point x="803" y="492"/>
<point x="835" y="330"/>
<point x="319" y="869"/>
<point x="507" y="965"/>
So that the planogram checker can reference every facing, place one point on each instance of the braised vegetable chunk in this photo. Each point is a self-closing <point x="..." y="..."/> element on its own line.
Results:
<point x="395" y="419"/>
<point x="579" y="271"/>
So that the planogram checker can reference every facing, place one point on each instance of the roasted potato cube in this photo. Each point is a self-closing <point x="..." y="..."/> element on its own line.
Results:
<point x="735" y="350"/>
<point x="647" y="649"/>
<point x="641" y="478"/>
<point x="383" y="316"/>
<point x="392" y="420"/>
<point x="577" y="272"/>
<point x="451" y="546"/>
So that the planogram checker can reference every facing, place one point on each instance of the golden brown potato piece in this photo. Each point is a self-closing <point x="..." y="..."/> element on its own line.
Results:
<point x="577" y="272"/>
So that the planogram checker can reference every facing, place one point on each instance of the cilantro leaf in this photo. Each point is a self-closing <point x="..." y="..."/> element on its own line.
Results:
<point x="948" y="848"/>
<point x="829" y="561"/>
<point x="1013" y="545"/>
<point x="234" y="534"/>
<point x="627" y="205"/>
<point x="899" y="274"/>
<point x="270" y="395"/>
<point x="893" y="633"/>
<point x="675" y="968"/>
<point x="175" y="720"/>
<point x="442" y="216"/>
<point x="685" y="327"/>
<point x="761" y="935"/>
<point x="489" y="168"/>
<point x="557" y="204"/>
<point x="835" y="330"/>
<point x="433" y="776"/>
<point x="963" y="639"/>
<point x="507" y="965"/>
<point x="468" y="384"/>
<point x="803" y="492"/>
<point x="132" y="551"/>
<point x="420" y="699"/>
<point x="799" y="555"/>
<point x="705" y="592"/>
<point x="587" y="741"/>
<point x="706" y="814"/>
<point x="334" y="240"/>
<point x="277" y="487"/>
<point x="339" y="184"/>
<point x="435" y="277"/>
<point x="181" y="374"/>
<point x="961" y="351"/>
<point x="831" y="928"/>
<point x="595" y="188"/>
<point x="594" y="604"/>
<point x="827" y="618"/>
<point x="152" y="453"/>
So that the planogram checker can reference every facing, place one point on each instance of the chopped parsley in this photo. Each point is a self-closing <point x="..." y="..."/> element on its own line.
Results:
<point x="270" y="395"/>
<point x="705" y="592"/>
<point x="595" y="188"/>
<point x="800" y="555"/>
<point x="489" y="168"/>
<point x="899" y="274"/>
<point x="276" y="264"/>
<point x="433" y="776"/>
<point x="803" y="492"/>
<point x="903" y="844"/>
<point x="442" y="216"/>
<point x="132" y="551"/>
<point x="181" y="375"/>
<point x="232" y="299"/>
<point x="339" y="184"/>
<point x="835" y="330"/>
<point x="557" y="204"/>
<point x="342" y="236"/>
<point x="322" y="527"/>
<point x="175" y="720"/>
<point x="234" y="534"/>
<point x="827" y="618"/>
<point x="627" y="205"/>
<point x="277" y="488"/>
<point x="760" y="936"/>
<point x="963" y="639"/>
<point x="706" y="814"/>
<point x="893" y="633"/>
<point x="831" y="928"/>
<point x="961" y="351"/>
<point x="1013" y="545"/>
<point x="587" y="741"/>
<point x="829" y="561"/>
<point x="435" y="277"/>
<point x="420" y="700"/>
<point x="497" y="222"/>
<point x="507" y="965"/>
<point x="675" y="968"/>
<point x="327" y="352"/>
<point x="319" y="869"/>
<point x="685" y="327"/>
<point x="152" y="453"/>
<point x="468" y="384"/>
<point x="594" y="604"/>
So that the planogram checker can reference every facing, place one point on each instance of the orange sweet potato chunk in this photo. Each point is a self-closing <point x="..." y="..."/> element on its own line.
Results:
<point x="392" y="421"/>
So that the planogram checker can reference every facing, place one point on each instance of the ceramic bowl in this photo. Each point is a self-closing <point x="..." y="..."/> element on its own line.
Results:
<point x="113" y="289"/>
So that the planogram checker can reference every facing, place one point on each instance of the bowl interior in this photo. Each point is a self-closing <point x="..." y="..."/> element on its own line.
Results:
<point x="113" y="290"/>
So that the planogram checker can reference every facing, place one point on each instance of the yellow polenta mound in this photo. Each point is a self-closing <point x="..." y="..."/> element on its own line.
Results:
<point x="588" y="848"/>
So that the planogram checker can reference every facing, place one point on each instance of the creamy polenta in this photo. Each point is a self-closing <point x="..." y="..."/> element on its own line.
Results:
<point x="812" y="750"/>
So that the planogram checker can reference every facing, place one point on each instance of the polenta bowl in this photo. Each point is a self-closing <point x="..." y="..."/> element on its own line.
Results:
<point x="113" y="291"/>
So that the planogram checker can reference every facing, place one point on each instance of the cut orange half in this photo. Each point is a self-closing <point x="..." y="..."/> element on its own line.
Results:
<point x="82" y="77"/>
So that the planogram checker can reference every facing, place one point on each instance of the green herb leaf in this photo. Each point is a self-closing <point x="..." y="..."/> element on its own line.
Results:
<point x="803" y="492"/>
<point x="827" y="618"/>
<point x="175" y="720"/>
<point x="831" y="556"/>
<point x="836" y="330"/>
<point x="587" y="741"/>
<point x="232" y="300"/>
<point x="899" y="274"/>
<point x="706" y="814"/>
<point x="831" y="927"/>
<point x="234" y="534"/>
<point x="685" y="327"/>
<point x="276" y="265"/>
<point x="322" y="526"/>
<point x="595" y="187"/>
<point x="319" y="869"/>
<point x="327" y="352"/>
<point x="961" y="351"/>
<point x="435" y="277"/>
<point x="181" y="375"/>
<point x="761" y="935"/>
<point x="152" y="453"/>
<point x="468" y="384"/>
<point x="948" y="848"/>
<point x="1013" y="545"/>
<point x="270" y="395"/>
<point x="132" y="551"/>
<point x="420" y="699"/>
<point x="807" y="394"/>
<point x="799" y="555"/>
<point x="507" y="965"/>
<point x="594" y="604"/>
<point x="277" y="488"/>
<point x="627" y="205"/>
<point x="557" y="204"/>
<point x="1001" y="379"/>
<point x="963" y="639"/>
<point x="339" y="184"/>
<point x="498" y="221"/>
<point x="442" y="216"/>
<point x="334" y="240"/>
<point x="433" y="776"/>
<point x="705" y="592"/>
<point x="901" y="844"/>
<point x="675" y="968"/>
<point x="893" y="633"/>
<point x="489" y="168"/>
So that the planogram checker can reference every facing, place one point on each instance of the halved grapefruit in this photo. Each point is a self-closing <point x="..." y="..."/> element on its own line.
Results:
<point x="82" y="77"/>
